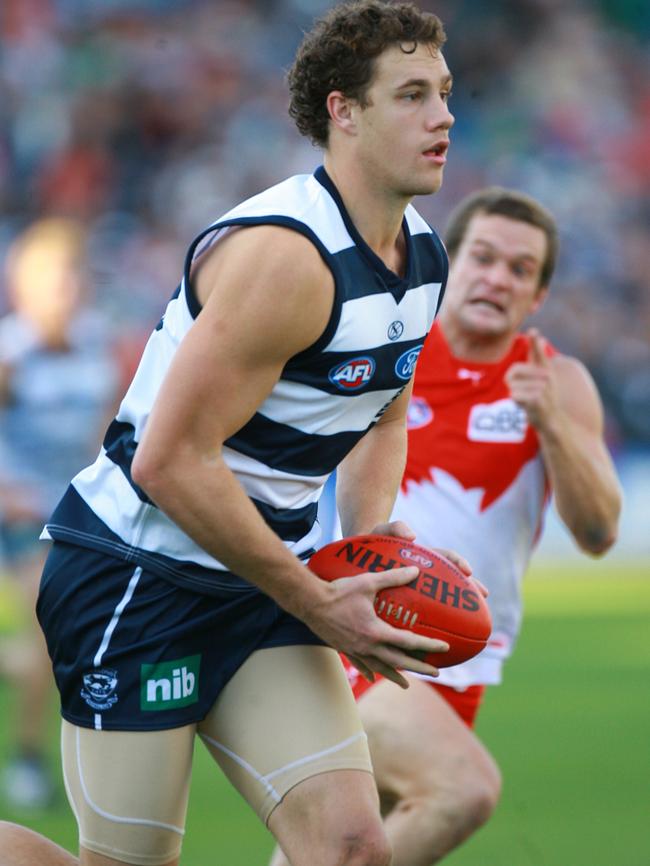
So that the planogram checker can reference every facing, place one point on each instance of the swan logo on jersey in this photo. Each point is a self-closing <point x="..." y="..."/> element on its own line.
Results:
<point x="395" y="330"/>
<point x="501" y="421"/>
<point x="418" y="414"/>
<point x="406" y="363"/>
<point x="99" y="688"/>
<point x="354" y="374"/>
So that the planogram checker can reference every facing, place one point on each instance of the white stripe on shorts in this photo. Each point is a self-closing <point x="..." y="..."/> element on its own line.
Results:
<point x="110" y="628"/>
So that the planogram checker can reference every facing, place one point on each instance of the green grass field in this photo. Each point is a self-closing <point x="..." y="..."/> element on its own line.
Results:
<point x="570" y="728"/>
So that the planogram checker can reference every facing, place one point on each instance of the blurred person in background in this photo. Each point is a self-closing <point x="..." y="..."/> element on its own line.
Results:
<point x="498" y="421"/>
<point x="58" y="381"/>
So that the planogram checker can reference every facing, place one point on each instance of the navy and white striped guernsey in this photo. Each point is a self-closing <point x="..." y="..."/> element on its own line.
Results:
<point x="327" y="397"/>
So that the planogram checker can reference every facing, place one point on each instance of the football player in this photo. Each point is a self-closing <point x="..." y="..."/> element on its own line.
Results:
<point x="499" y="421"/>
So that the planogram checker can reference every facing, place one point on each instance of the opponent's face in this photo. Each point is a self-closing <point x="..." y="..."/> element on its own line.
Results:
<point x="494" y="278"/>
<point x="403" y="130"/>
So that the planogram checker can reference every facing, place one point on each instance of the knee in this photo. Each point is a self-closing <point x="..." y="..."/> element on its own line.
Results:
<point x="481" y="793"/>
<point x="364" y="847"/>
<point x="447" y="813"/>
<point x="474" y="795"/>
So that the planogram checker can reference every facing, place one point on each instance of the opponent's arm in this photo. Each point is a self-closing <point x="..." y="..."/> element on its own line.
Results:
<point x="563" y="405"/>
<point x="266" y="295"/>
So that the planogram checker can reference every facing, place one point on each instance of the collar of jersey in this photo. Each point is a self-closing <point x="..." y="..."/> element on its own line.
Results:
<point x="393" y="282"/>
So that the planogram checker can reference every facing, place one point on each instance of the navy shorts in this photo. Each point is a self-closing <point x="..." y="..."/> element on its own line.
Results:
<point x="131" y="651"/>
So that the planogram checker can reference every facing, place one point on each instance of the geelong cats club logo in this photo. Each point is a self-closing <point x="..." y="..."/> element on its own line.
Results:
<point x="99" y="688"/>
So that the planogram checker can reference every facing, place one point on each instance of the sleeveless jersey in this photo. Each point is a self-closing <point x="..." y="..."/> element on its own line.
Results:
<point x="326" y="399"/>
<point x="475" y="483"/>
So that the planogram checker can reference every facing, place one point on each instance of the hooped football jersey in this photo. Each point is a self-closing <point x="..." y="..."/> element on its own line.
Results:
<point x="475" y="483"/>
<point x="326" y="399"/>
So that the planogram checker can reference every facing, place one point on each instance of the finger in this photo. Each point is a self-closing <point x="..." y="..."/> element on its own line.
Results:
<point x="419" y="663"/>
<point x="396" y="677"/>
<point x="396" y="528"/>
<point x="363" y="669"/>
<point x="407" y="641"/>
<point x="393" y="577"/>
<point x="389" y="673"/>
<point x="458" y="560"/>
<point x="536" y="354"/>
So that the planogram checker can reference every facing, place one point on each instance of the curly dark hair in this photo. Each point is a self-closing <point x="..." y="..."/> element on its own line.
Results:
<point x="514" y="205"/>
<point x="340" y="51"/>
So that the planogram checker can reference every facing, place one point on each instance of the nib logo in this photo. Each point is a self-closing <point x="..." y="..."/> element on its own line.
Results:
<point x="168" y="685"/>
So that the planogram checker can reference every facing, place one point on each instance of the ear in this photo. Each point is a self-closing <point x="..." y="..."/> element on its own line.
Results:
<point x="342" y="112"/>
<point x="540" y="297"/>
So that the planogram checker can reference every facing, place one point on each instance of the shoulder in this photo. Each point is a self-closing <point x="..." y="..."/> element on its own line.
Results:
<point x="277" y="255"/>
<point x="301" y="203"/>
<point x="272" y="276"/>
<point x="577" y="390"/>
<point x="571" y="370"/>
<point x="425" y="237"/>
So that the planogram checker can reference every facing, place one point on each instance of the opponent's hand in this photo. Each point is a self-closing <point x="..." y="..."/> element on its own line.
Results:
<point x="346" y="619"/>
<point x="532" y="383"/>
<point x="399" y="529"/>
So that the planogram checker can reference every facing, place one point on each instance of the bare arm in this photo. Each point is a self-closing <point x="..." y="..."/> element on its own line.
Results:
<point x="266" y="295"/>
<point x="563" y="405"/>
<point x="368" y="479"/>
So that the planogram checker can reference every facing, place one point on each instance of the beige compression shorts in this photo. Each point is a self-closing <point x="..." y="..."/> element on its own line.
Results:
<point x="288" y="714"/>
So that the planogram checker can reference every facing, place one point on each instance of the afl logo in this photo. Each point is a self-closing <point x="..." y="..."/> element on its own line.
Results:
<point x="395" y="330"/>
<point x="406" y="363"/>
<point x="415" y="558"/>
<point x="353" y="375"/>
<point x="418" y="414"/>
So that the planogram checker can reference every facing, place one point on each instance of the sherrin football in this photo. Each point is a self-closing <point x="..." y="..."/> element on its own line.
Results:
<point x="441" y="602"/>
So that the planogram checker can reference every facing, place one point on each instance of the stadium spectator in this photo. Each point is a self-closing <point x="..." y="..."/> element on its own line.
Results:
<point x="57" y="386"/>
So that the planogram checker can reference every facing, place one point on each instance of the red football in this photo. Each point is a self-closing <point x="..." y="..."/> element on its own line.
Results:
<point x="441" y="602"/>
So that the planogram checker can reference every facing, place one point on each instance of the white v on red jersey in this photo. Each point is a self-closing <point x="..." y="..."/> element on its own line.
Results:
<point x="475" y="483"/>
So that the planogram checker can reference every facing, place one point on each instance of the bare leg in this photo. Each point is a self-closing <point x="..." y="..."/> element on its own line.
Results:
<point x="331" y="819"/>
<point x="22" y="847"/>
<point x="437" y="782"/>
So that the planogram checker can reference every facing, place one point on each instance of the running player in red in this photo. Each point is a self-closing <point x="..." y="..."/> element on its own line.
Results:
<point x="498" y="420"/>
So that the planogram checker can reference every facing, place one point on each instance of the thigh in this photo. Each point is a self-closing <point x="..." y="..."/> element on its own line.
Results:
<point x="418" y="743"/>
<point x="129" y="791"/>
<point x="286" y="716"/>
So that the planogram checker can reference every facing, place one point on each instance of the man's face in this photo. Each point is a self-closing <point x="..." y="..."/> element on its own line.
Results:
<point x="494" y="276"/>
<point x="403" y="130"/>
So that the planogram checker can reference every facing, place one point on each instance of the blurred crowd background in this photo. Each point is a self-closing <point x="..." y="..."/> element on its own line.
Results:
<point x="126" y="126"/>
<point x="145" y="119"/>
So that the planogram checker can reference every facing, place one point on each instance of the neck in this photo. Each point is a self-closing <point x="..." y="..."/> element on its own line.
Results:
<point x="376" y="214"/>
<point x="473" y="347"/>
